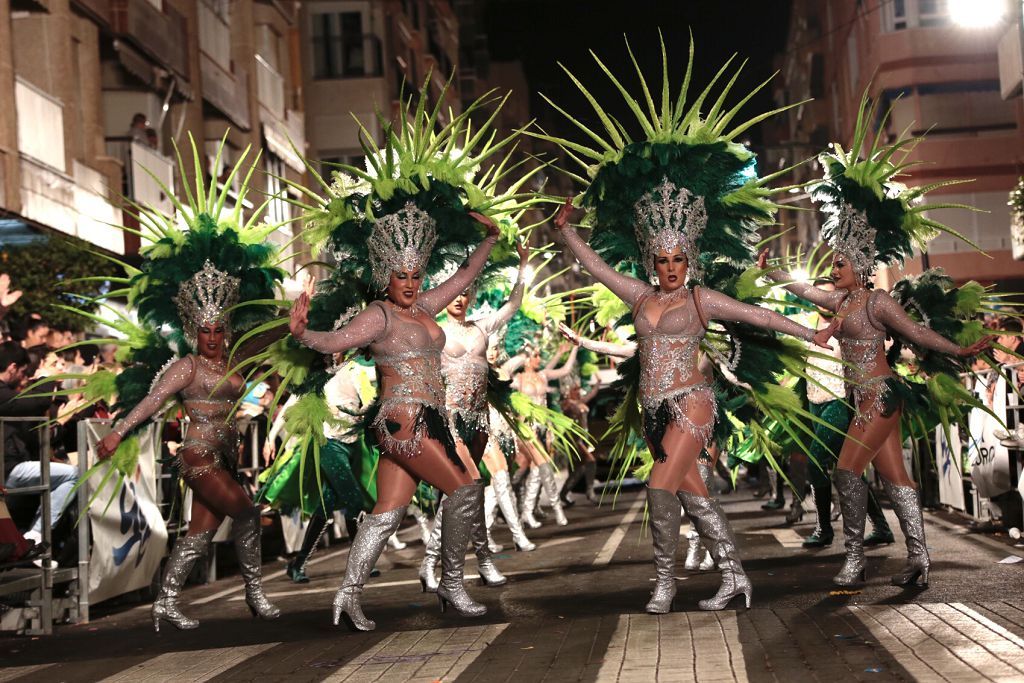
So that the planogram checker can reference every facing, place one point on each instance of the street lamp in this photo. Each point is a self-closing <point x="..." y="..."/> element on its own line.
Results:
<point x="976" y="13"/>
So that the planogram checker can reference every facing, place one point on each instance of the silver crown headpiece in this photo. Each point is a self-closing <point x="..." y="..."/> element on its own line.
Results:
<point x="848" y="232"/>
<point x="205" y="298"/>
<point x="402" y="240"/>
<point x="668" y="217"/>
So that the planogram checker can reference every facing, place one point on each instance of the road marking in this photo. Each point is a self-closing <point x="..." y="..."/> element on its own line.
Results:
<point x="645" y="648"/>
<point x="962" y="532"/>
<point x="11" y="672"/>
<point x="559" y="541"/>
<point x="787" y="538"/>
<point x="434" y="655"/>
<point x="193" y="665"/>
<point x="619" y="533"/>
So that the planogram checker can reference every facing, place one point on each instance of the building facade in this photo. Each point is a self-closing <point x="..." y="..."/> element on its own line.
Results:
<point x="938" y="78"/>
<point x="103" y="89"/>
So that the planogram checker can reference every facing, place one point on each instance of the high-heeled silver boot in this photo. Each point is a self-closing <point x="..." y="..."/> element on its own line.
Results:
<point x="663" y="513"/>
<point x="462" y="510"/>
<point x="697" y="556"/>
<point x="421" y="521"/>
<point x="490" y="503"/>
<point x="432" y="553"/>
<point x="187" y="549"/>
<point x="853" y="500"/>
<point x="507" y="502"/>
<point x="247" y="534"/>
<point x="907" y="505"/>
<point x="707" y="516"/>
<point x="547" y="478"/>
<point x="373" y="534"/>
<point x="489" y="574"/>
<point x="531" y="491"/>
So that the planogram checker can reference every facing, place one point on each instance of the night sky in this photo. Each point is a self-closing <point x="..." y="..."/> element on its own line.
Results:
<point x="543" y="32"/>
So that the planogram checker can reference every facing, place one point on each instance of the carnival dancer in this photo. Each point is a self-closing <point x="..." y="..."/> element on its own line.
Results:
<point x="532" y="381"/>
<point x="209" y="283"/>
<point x="576" y="406"/>
<point x="465" y="370"/>
<point x="873" y="220"/>
<point x="416" y="211"/>
<point x="673" y="202"/>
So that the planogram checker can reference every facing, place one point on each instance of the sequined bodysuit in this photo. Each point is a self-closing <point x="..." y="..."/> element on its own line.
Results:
<point x="406" y="345"/>
<point x="866" y="315"/>
<point x="670" y="327"/>
<point x="465" y="368"/>
<point x="211" y="439"/>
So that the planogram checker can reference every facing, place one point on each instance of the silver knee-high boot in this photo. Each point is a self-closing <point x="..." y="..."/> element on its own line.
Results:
<point x="531" y="491"/>
<point x="421" y="521"/>
<point x="247" y="533"/>
<point x="187" y="549"/>
<point x="853" y="500"/>
<point x="698" y="558"/>
<point x="507" y="502"/>
<point x="373" y="534"/>
<point x="462" y="510"/>
<point x="489" y="574"/>
<point x="907" y="505"/>
<point x="490" y="503"/>
<point x="432" y="553"/>
<point x="664" y="515"/>
<point x="547" y="477"/>
<point x="707" y="516"/>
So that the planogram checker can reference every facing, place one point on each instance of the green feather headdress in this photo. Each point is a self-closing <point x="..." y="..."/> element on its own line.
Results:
<point x="872" y="218"/>
<point x="684" y="177"/>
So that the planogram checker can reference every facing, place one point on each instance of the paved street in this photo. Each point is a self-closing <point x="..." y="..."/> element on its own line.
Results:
<point x="572" y="611"/>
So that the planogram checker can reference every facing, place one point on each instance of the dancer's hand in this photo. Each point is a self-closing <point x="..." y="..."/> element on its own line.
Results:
<point x="107" y="445"/>
<point x="762" y="259"/>
<point x="569" y="334"/>
<point x="822" y="336"/>
<point x="977" y="347"/>
<point x="487" y="222"/>
<point x="299" y="318"/>
<point x="564" y="212"/>
<point x="523" y="249"/>
<point x="7" y="297"/>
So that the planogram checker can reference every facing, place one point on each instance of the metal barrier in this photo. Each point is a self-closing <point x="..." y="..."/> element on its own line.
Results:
<point x="40" y="609"/>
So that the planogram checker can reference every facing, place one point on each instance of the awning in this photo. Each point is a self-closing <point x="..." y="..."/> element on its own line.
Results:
<point x="140" y="66"/>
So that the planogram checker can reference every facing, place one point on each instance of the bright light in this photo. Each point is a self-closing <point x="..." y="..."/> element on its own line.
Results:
<point x="976" y="13"/>
<point x="800" y="275"/>
<point x="528" y="274"/>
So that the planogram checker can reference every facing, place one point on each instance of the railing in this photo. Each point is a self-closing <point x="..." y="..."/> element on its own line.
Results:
<point x="270" y="87"/>
<point x="40" y="609"/>
<point x="40" y="125"/>
<point x="139" y="185"/>
<point x="215" y="34"/>
<point x="161" y="33"/>
<point x="227" y="90"/>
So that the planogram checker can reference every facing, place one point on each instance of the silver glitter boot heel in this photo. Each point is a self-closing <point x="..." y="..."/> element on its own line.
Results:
<point x="461" y="511"/>
<point x="707" y="516"/>
<point x="907" y="505"/>
<point x="489" y="574"/>
<point x="490" y="503"/>
<point x="531" y="491"/>
<point x="664" y="514"/>
<point x="187" y="549"/>
<point x="547" y="478"/>
<point x="853" y="499"/>
<point x="432" y="554"/>
<point x="247" y="533"/>
<point x="507" y="502"/>
<point x="373" y="534"/>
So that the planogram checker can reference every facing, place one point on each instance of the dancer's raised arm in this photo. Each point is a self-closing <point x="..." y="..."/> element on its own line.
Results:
<point x="717" y="306"/>
<point x="368" y="326"/>
<point x="627" y="288"/>
<point x="603" y="347"/>
<point x="499" y="318"/>
<point x="434" y="300"/>
<point x="565" y="369"/>
<point x="804" y="290"/>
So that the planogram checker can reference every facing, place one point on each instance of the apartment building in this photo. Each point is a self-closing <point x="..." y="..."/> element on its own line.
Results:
<point x="940" y="78"/>
<point x="357" y="57"/>
<point x="99" y="89"/>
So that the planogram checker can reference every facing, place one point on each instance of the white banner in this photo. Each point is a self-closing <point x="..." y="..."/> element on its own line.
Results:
<point x="988" y="459"/>
<point x="130" y="538"/>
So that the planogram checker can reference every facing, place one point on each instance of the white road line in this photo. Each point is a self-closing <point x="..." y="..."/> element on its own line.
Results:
<point x="192" y="665"/>
<point x="787" y="538"/>
<point x="619" y="533"/>
<point x="558" y="541"/>
<point x="962" y="532"/>
<point x="11" y="672"/>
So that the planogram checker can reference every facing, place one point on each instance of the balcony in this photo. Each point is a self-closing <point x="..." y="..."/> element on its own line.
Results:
<point x="40" y="125"/>
<point x="161" y="35"/>
<point x="139" y="162"/>
<point x="99" y="9"/>
<point x="226" y="90"/>
<point x="270" y="88"/>
<point x="281" y="134"/>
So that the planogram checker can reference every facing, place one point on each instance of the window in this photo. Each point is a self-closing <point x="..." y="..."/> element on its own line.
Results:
<point x="354" y="159"/>
<point x="278" y="208"/>
<point x="932" y="13"/>
<point x="340" y="47"/>
<point x="817" y="76"/>
<point x="898" y="15"/>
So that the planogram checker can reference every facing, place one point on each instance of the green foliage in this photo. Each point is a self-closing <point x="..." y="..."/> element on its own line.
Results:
<point x="50" y="273"/>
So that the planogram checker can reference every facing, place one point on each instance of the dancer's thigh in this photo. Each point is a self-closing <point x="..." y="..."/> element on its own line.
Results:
<point x="862" y="443"/>
<point x="889" y="460"/>
<point x="679" y="471"/>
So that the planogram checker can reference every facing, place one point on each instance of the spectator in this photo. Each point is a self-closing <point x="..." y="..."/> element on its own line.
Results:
<point x="57" y="339"/>
<point x="152" y="139"/>
<point x="137" y="132"/>
<point x="108" y="356"/>
<point x="22" y="463"/>
<point x="36" y="332"/>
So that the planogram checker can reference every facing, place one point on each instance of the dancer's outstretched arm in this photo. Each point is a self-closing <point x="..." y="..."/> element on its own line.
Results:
<point x="890" y="313"/>
<point x="603" y="347"/>
<point x="804" y="290"/>
<point x="435" y="300"/>
<point x="717" y="306"/>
